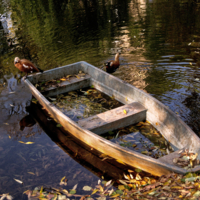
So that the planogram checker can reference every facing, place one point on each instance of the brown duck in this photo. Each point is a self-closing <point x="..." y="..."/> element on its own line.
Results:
<point x="26" y="66"/>
<point x="112" y="65"/>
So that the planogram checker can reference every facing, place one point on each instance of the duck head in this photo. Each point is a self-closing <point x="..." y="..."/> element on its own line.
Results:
<point x="16" y="60"/>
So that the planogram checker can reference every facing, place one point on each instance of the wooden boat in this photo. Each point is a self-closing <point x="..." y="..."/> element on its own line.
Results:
<point x="76" y="149"/>
<point x="139" y="106"/>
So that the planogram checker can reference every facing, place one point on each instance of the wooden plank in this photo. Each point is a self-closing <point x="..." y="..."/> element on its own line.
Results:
<point x="67" y="86"/>
<point x="114" y="119"/>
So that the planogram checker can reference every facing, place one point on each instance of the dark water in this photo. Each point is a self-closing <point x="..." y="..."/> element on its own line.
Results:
<point x="159" y="42"/>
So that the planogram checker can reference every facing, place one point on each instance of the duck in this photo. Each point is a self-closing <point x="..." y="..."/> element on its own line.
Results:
<point x="26" y="66"/>
<point x="112" y="65"/>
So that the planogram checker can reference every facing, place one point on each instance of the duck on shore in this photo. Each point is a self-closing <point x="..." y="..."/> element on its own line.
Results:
<point x="112" y="65"/>
<point x="26" y="66"/>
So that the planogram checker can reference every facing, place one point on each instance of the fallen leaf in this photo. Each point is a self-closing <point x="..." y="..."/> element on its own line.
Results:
<point x="125" y="111"/>
<point x="19" y="181"/>
<point x="87" y="188"/>
<point x="31" y="173"/>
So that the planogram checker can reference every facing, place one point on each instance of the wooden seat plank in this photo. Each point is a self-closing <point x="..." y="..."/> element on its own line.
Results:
<point x="115" y="118"/>
<point x="67" y="86"/>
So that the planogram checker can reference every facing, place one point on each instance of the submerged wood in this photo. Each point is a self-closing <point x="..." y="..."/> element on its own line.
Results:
<point x="164" y="120"/>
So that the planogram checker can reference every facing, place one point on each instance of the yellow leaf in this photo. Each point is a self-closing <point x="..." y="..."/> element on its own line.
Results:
<point x="101" y="188"/>
<point x="116" y="195"/>
<point x="94" y="191"/>
<point x="62" y="179"/>
<point x="28" y="142"/>
<point x="177" y="187"/>
<point x="63" y="79"/>
<point x="138" y="177"/>
<point x="119" y="161"/>
<point x="121" y="187"/>
<point x="68" y="76"/>
<point x="41" y="190"/>
<point x="126" y="99"/>
<point x="21" y="142"/>
<point x="65" y="191"/>
<point x="77" y="76"/>
<point x="9" y="136"/>
<point x="31" y="173"/>
<point x="125" y="111"/>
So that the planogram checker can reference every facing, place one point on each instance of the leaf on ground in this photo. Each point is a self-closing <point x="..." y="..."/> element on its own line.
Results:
<point x="121" y="187"/>
<point x="123" y="182"/>
<point x="125" y="111"/>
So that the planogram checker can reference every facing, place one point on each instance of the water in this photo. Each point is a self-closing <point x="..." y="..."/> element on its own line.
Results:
<point x="159" y="44"/>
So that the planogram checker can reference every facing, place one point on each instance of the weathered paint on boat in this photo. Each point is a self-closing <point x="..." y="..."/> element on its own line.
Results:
<point x="169" y="124"/>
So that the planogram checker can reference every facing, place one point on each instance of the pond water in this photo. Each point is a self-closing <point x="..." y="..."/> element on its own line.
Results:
<point x="159" y="42"/>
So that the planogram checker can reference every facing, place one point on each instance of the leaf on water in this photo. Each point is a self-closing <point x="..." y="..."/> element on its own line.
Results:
<point x="87" y="188"/>
<point x="65" y="191"/>
<point x="19" y="181"/>
<point x="31" y="173"/>
<point x="75" y="186"/>
<point x="9" y="137"/>
<point x="41" y="190"/>
<point x="58" y="125"/>
<point x="72" y="191"/>
<point x="108" y="183"/>
<point x="94" y="191"/>
<point x="62" y="179"/>
<point x="29" y="142"/>
<point x="21" y="142"/>
<point x="125" y="111"/>
<point x="61" y="197"/>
